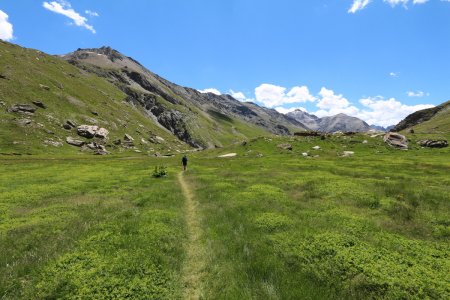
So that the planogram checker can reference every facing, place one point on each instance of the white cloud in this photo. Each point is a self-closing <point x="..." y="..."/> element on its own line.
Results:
<point x="211" y="90"/>
<point x="288" y="110"/>
<point x="6" y="28"/>
<point x="358" y="5"/>
<point x="91" y="13"/>
<point x="388" y="112"/>
<point x="417" y="94"/>
<point x="64" y="8"/>
<point x="272" y="95"/>
<point x="329" y="100"/>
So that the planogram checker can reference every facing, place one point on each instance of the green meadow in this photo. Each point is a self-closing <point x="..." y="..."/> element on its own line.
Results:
<point x="266" y="224"/>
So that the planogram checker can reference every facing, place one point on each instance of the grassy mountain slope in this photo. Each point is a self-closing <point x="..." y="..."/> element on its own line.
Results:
<point x="202" y="120"/>
<point x="435" y="120"/>
<point x="69" y="94"/>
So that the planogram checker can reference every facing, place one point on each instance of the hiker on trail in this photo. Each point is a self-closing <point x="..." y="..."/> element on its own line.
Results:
<point x="184" y="160"/>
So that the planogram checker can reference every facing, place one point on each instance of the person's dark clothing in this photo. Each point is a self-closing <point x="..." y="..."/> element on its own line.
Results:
<point x="184" y="160"/>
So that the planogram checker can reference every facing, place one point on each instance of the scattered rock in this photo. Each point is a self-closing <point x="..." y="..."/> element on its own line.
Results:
<point x="143" y="141"/>
<point x="128" y="138"/>
<point x="159" y="138"/>
<point x="48" y="131"/>
<point x="94" y="113"/>
<point x="433" y="143"/>
<point x="285" y="146"/>
<point x="117" y="142"/>
<point x="22" y="108"/>
<point x="411" y="131"/>
<point x="71" y="123"/>
<point x="316" y="148"/>
<point x="365" y="142"/>
<point x="2" y="103"/>
<point x="74" y="142"/>
<point x="157" y="154"/>
<point x="347" y="153"/>
<point x="396" y="140"/>
<point x="53" y="143"/>
<point x="24" y="122"/>
<point x="138" y="151"/>
<point x="98" y="149"/>
<point x="244" y="143"/>
<point x="39" y="104"/>
<point x="227" y="155"/>
<point x="42" y="86"/>
<point x="259" y="155"/>
<point x="67" y="126"/>
<point x="305" y="154"/>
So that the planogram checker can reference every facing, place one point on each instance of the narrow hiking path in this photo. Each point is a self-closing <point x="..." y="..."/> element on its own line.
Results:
<point x="195" y="260"/>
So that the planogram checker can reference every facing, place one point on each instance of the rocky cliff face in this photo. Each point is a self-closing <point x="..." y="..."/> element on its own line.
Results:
<point x="190" y="115"/>
<point x="340" y="122"/>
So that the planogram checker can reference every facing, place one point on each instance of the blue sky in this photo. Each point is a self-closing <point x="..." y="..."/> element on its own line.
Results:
<point x="376" y="59"/>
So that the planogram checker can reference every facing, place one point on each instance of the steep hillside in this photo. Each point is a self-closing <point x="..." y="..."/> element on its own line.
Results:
<point x="202" y="120"/>
<point x="340" y="122"/>
<point x="431" y="120"/>
<point x="40" y="93"/>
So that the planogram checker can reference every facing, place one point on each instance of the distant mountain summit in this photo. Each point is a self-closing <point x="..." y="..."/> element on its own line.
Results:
<point x="339" y="122"/>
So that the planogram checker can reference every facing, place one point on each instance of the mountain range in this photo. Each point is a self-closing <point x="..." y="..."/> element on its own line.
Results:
<point x="103" y="100"/>
<point x="339" y="122"/>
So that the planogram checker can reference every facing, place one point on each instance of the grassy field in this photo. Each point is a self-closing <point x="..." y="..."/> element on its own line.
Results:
<point x="267" y="224"/>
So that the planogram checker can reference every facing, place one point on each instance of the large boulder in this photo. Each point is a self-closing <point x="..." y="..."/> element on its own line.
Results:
<point x="102" y="133"/>
<point x="396" y="140"/>
<point x="90" y="131"/>
<point x="433" y="143"/>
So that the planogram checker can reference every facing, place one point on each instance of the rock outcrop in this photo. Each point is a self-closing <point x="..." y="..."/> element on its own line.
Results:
<point x="22" y="108"/>
<point x="433" y="143"/>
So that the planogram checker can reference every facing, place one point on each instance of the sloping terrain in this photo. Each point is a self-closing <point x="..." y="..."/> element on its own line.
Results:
<point x="61" y="93"/>
<point x="434" y="120"/>
<point x="202" y="120"/>
<point x="339" y="122"/>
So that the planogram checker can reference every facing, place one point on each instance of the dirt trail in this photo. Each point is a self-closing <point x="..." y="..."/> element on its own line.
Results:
<point x="195" y="261"/>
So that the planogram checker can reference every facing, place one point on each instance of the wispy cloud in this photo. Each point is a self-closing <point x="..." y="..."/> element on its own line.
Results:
<point x="358" y="5"/>
<point x="91" y="13"/>
<point x="394" y="74"/>
<point x="64" y="8"/>
<point x="361" y="4"/>
<point x="6" y="28"/>
<point x="417" y="94"/>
